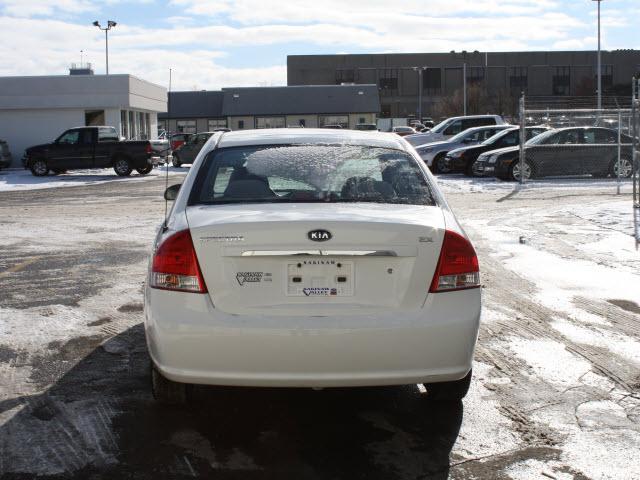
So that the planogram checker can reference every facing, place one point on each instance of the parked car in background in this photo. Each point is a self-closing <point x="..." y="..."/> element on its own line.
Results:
<point x="90" y="147"/>
<point x="5" y="155"/>
<point x="564" y="151"/>
<point x="275" y="269"/>
<point x="188" y="152"/>
<point x="462" y="159"/>
<point x="403" y="131"/>
<point x="434" y="153"/>
<point x="366" y="126"/>
<point x="179" y="139"/>
<point x="453" y="126"/>
<point x="428" y="122"/>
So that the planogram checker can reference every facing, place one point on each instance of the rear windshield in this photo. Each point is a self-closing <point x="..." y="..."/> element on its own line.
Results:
<point x="310" y="173"/>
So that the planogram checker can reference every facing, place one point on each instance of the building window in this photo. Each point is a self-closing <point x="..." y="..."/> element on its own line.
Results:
<point x="561" y="80"/>
<point x="388" y="81"/>
<point x="302" y="122"/>
<point x="385" y="111"/>
<point x="214" y="123"/>
<point x="124" y="124"/>
<point x="186" y="126"/>
<point x="132" y="125"/>
<point x="326" y="120"/>
<point x="347" y="75"/>
<point x="270" y="122"/>
<point x="518" y="79"/>
<point x="240" y="124"/>
<point x="475" y="74"/>
<point x="362" y="120"/>
<point x="432" y="81"/>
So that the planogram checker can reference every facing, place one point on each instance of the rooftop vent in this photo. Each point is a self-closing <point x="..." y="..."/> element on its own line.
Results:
<point x="82" y="68"/>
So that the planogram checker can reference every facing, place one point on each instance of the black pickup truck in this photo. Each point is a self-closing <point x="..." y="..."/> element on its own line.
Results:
<point x="90" y="147"/>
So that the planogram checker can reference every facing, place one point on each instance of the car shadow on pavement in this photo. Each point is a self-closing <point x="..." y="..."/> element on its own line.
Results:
<point x="98" y="420"/>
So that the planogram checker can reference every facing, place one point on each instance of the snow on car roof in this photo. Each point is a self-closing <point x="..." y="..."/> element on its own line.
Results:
<point x="311" y="136"/>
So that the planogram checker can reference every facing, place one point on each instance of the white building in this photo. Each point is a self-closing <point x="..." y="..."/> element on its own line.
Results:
<point x="36" y="110"/>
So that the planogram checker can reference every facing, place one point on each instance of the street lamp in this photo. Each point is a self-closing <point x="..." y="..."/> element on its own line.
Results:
<point x="599" y="61"/>
<point x="110" y="25"/>
<point x="419" y="70"/>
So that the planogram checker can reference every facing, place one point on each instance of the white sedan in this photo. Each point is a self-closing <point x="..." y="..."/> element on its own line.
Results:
<point x="311" y="258"/>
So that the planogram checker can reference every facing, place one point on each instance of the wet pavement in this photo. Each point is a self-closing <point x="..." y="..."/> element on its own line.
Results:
<point x="555" y="392"/>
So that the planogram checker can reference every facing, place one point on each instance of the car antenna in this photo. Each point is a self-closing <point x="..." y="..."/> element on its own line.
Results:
<point x="166" y="176"/>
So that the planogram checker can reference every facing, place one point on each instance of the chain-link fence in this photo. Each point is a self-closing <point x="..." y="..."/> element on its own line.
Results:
<point x="635" y="122"/>
<point x="582" y="143"/>
<point x="592" y="146"/>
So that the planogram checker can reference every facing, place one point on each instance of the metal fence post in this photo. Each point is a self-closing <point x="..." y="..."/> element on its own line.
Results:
<point x="522" y="137"/>
<point x="619" y="147"/>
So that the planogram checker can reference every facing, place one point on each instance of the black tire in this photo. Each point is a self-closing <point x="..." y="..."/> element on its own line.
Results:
<point x="514" y="168"/>
<point x="166" y="391"/>
<point x="626" y="168"/>
<point x="39" y="168"/>
<point x="449" y="391"/>
<point x="438" y="164"/>
<point x="145" y="170"/>
<point x="122" y="166"/>
<point x="176" y="161"/>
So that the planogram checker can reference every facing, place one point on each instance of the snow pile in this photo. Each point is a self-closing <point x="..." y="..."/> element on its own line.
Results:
<point x="18" y="180"/>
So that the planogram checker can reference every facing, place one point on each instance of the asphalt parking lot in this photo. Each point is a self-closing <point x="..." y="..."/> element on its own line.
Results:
<point x="556" y="389"/>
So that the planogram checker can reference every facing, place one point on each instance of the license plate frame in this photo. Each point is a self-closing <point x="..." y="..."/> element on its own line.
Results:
<point x="324" y="278"/>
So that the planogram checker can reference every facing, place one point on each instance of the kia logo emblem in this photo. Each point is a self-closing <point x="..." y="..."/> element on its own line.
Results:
<point x="319" y="235"/>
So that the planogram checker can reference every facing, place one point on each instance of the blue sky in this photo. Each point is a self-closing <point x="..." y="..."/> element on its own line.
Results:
<point x="220" y="43"/>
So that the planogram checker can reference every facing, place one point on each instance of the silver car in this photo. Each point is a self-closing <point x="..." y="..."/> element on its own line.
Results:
<point x="434" y="153"/>
<point x="453" y="126"/>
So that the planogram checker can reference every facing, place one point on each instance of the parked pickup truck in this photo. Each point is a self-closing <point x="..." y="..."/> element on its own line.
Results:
<point x="90" y="147"/>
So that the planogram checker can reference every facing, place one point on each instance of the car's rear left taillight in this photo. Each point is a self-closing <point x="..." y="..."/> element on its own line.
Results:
<point x="175" y="265"/>
<point x="458" y="265"/>
<point x="149" y="148"/>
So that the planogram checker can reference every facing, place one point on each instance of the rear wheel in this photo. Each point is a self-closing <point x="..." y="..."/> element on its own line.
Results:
<point x="626" y="168"/>
<point x="167" y="391"/>
<point x="514" y="171"/>
<point x="449" y="391"/>
<point x="440" y="165"/>
<point x="176" y="160"/>
<point x="144" y="170"/>
<point x="39" y="168"/>
<point x="122" y="167"/>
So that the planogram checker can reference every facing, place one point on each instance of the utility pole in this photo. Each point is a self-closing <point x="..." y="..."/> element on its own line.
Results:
<point x="599" y="61"/>
<point x="110" y="25"/>
<point x="419" y="70"/>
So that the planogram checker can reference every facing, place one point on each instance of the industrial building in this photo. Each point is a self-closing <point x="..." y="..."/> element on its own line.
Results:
<point x="500" y="77"/>
<point x="271" y="107"/>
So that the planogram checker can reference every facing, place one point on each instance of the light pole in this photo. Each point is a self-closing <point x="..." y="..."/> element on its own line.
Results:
<point x="419" y="70"/>
<point x="110" y="25"/>
<point x="599" y="61"/>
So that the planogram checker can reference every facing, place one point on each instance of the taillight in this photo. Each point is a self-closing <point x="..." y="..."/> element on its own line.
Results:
<point x="175" y="265"/>
<point x="149" y="148"/>
<point x="458" y="265"/>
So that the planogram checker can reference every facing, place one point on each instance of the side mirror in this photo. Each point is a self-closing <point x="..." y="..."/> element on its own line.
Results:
<point x="172" y="192"/>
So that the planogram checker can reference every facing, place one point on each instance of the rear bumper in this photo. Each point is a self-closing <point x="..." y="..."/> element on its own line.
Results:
<point x="190" y="341"/>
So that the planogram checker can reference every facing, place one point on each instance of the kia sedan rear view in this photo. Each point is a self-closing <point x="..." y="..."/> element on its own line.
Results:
<point x="311" y="258"/>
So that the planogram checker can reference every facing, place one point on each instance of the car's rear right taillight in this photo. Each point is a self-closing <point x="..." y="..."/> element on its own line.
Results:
<point x="458" y="265"/>
<point x="175" y="265"/>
